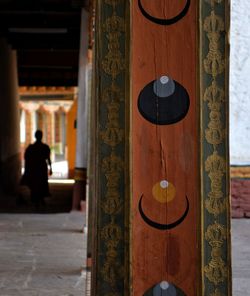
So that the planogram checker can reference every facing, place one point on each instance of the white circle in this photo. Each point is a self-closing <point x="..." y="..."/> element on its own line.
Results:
<point x="164" y="79"/>
<point x="164" y="285"/>
<point x="164" y="184"/>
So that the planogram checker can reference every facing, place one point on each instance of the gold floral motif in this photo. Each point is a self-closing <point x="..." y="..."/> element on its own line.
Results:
<point x="216" y="270"/>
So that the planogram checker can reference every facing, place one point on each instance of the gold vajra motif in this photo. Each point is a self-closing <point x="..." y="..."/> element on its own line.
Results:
<point x="114" y="24"/>
<point x="112" y="235"/>
<point x="216" y="234"/>
<point x="215" y="206"/>
<point x="214" y="95"/>
<point x="114" y="2"/>
<point x="112" y="204"/>
<point x="113" y="64"/>
<point x="216" y="270"/>
<point x="214" y="64"/>
<point x="112" y="164"/>
<point x="111" y="271"/>
<point x="216" y="293"/>
<point x="113" y="134"/>
<point x="113" y="94"/>
<point x="213" y="2"/>
<point x="215" y="165"/>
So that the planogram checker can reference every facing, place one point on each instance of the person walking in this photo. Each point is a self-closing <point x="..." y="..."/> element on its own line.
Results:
<point x="37" y="167"/>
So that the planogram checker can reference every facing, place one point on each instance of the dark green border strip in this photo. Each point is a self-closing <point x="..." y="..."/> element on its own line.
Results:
<point x="111" y="246"/>
<point x="216" y="241"/>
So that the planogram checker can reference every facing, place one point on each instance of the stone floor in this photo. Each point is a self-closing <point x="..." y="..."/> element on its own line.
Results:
<point x="241" y="256"/>
<point x="42" y="254"/>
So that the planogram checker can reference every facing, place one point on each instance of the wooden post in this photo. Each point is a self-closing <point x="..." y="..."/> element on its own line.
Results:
<point x="176" y="171"/>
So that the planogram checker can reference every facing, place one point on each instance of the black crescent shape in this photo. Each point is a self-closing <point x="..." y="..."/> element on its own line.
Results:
<point x="164" y="22"/>
<point x="159" y="225"/>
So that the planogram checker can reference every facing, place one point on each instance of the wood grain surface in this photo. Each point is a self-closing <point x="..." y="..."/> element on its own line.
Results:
<point x="166" y="152"/>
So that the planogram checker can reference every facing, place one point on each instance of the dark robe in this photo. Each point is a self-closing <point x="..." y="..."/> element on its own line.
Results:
<point x="37" y="156"/>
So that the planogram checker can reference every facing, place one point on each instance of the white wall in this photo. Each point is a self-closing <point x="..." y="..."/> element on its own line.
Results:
<point x="240" y="82"/>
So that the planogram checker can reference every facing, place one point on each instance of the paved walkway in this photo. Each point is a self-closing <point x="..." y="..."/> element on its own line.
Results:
<point x="241" y="256"/>
<point x="42" y="254"/>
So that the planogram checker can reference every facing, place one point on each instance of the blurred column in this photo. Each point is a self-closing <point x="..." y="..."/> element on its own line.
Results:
<point x="81" y="142"/>
<point x="9" y="120"/>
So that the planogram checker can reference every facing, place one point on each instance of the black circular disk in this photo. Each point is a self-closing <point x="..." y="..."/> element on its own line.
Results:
<point x="163" y="111"/>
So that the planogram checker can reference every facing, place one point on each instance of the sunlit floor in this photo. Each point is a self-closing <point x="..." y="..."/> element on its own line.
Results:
<point x="42" y="254"/>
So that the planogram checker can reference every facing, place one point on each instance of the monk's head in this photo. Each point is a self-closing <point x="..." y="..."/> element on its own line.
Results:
<point x="39" y="135"/>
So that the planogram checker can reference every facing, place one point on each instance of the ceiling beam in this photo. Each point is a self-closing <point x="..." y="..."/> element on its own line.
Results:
<point x="39" y="20"/>
<point x="70" y="40"/>
<point x="34" y="77"/>
<point x="48" y="58"/>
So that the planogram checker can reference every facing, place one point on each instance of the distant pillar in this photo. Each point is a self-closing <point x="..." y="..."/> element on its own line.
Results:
<point x="9" y="119"/>
<point x="81" y="142"/>
<point x="28" y="127"/>
<point x="49" y="116"/>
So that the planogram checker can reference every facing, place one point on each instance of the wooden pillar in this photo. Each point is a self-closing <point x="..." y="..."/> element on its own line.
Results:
<point x="82" y="117"/>
<point x="28" y="127"/>
<point x="9" y="120"/>
<point x="175" y="233"/>
<point x="49" y="122"/>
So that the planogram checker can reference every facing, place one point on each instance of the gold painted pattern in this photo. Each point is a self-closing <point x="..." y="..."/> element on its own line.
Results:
<point x="216" y="234"/>
<point x="112" y="165"/>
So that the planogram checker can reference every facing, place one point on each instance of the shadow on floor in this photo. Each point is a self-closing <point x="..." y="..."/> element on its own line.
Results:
<point x="60" y="200"/>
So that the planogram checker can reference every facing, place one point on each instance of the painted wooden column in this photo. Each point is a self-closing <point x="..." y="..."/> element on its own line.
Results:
<point x="9" y="120"/>
<point x="165" y="148"/>
<point x="179" y="242"/>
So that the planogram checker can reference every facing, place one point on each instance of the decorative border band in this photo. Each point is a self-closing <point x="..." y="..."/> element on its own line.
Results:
<point x="215" y="207"/>
<point x="111" y="75"/>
